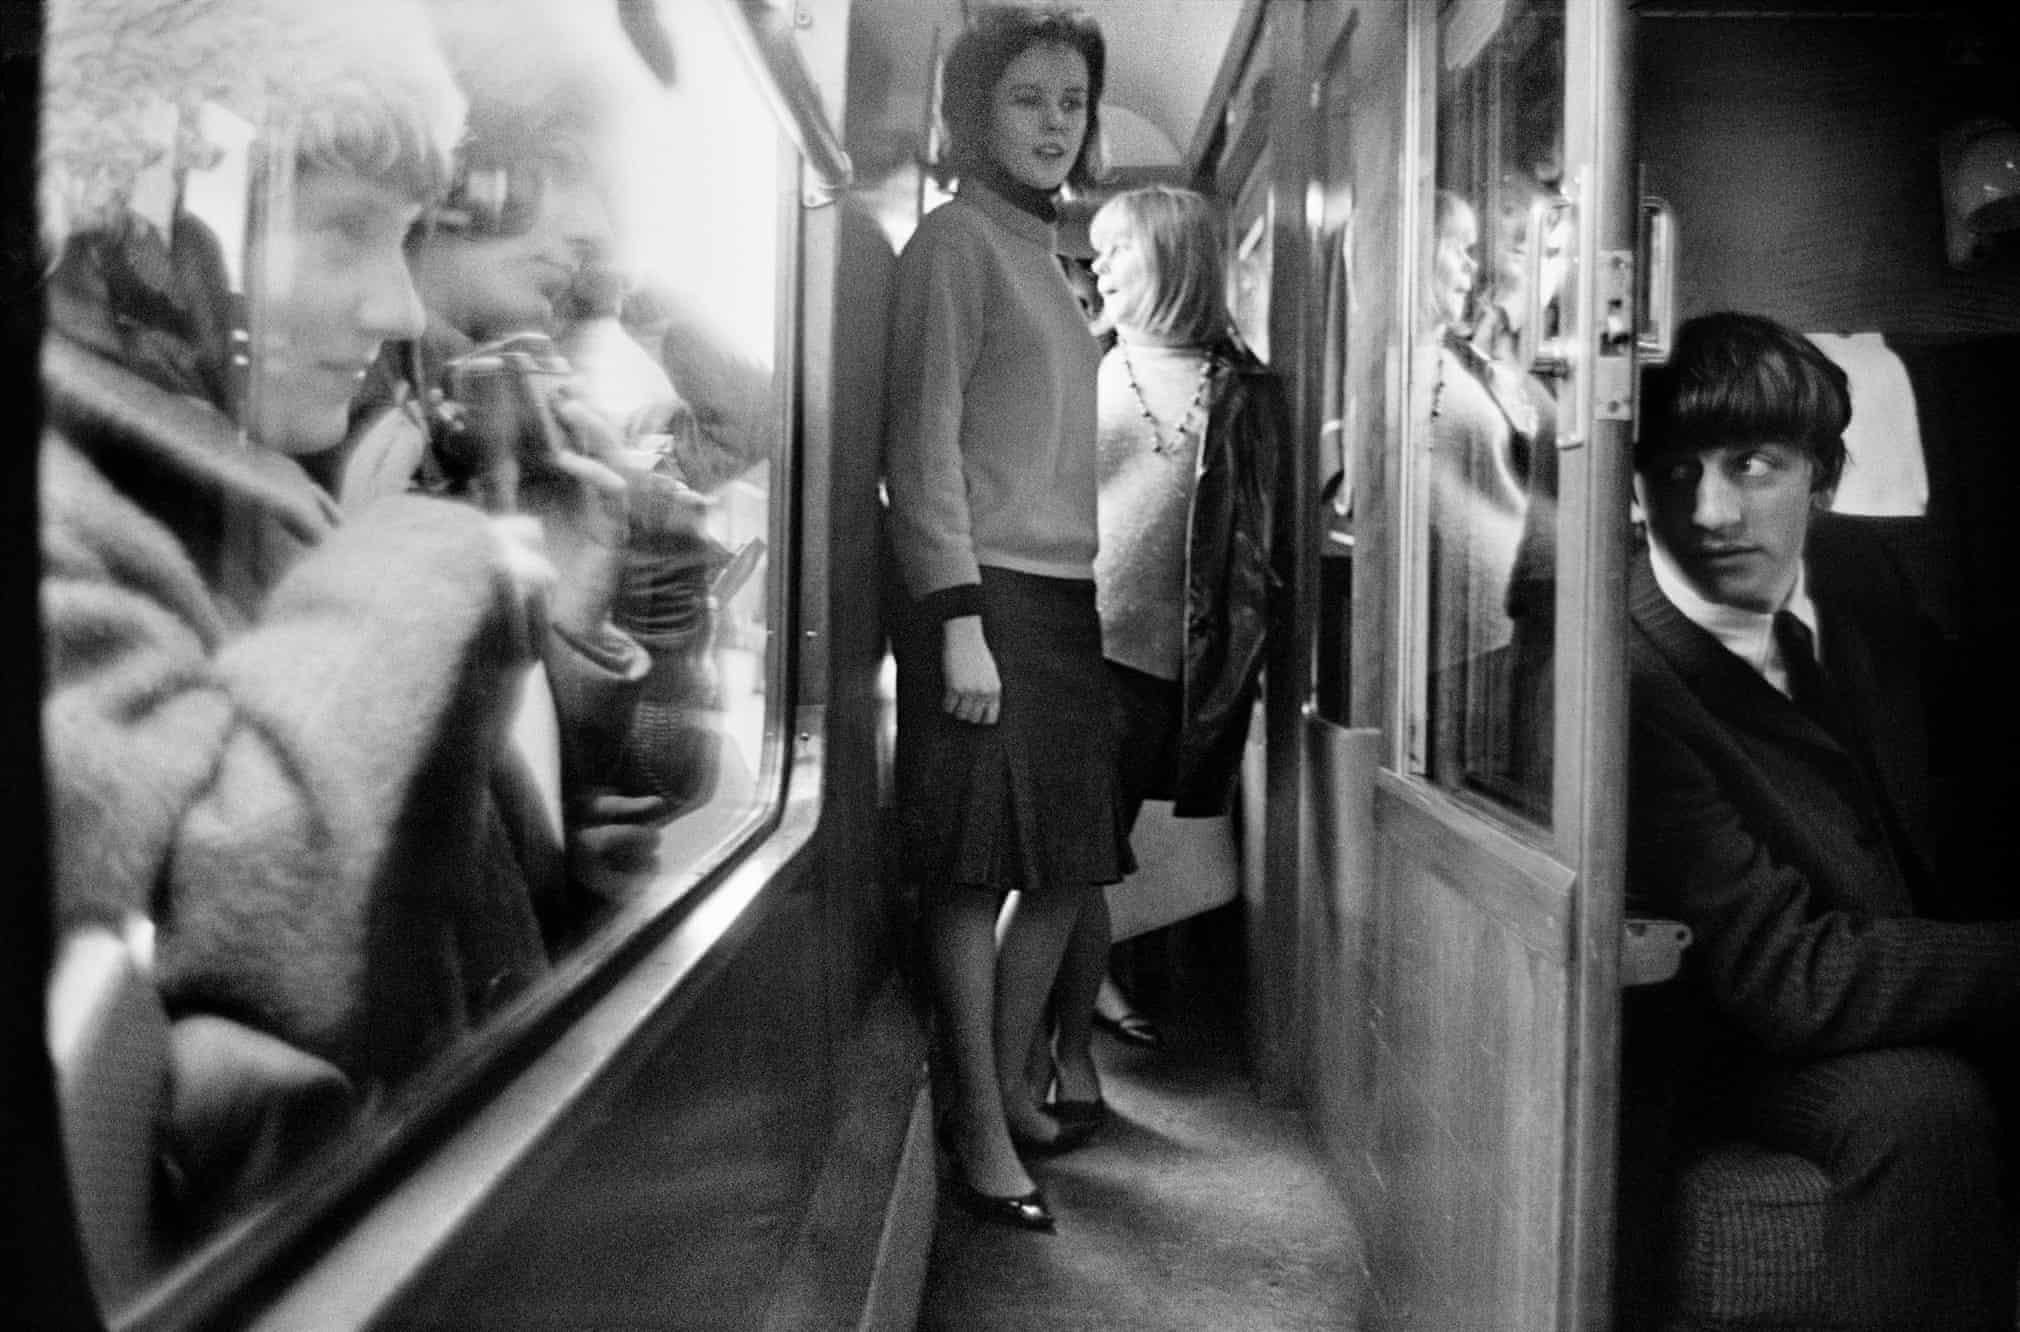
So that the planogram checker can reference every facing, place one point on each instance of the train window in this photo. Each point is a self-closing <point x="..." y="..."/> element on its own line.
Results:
<point x="408" y="507"/>
<point x="1249" y="271"/>
<point x="1493" y="244"/>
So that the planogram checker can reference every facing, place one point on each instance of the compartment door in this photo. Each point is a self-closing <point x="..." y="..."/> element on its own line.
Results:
<point x="1477" y="943"/>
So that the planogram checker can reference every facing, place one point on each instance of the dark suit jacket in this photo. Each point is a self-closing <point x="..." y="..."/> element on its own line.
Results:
<point x="1806" y="871"/>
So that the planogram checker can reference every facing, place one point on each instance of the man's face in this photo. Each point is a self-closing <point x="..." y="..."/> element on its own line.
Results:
<point x="333" y="286"/>
<point x="1733" y="518"/>
<point x="489" y="286"/>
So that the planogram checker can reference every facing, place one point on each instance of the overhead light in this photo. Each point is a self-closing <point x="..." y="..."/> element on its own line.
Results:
<point x="1981" y="186"/>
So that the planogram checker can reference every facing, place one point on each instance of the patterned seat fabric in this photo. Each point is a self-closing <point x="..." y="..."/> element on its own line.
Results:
<point x="1748" y="1252"/>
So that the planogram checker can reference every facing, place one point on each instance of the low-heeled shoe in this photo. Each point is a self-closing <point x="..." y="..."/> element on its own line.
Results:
<point x="1087" y="1115"/>
<point x="1023" y="1211"/>
<point x="1132" y="1029"/>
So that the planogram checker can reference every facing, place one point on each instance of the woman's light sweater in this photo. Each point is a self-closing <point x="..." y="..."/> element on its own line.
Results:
<point x="989" y="444"/>
<point x="1147" y="478"/>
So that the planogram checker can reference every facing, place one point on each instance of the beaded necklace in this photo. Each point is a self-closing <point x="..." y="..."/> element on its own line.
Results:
<point x="1185" y="419"/>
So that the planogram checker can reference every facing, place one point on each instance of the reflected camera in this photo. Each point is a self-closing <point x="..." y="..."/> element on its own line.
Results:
<point x="500" y="404"/>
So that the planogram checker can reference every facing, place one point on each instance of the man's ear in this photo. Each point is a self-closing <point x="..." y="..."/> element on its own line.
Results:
<point x="1821" y="497"/>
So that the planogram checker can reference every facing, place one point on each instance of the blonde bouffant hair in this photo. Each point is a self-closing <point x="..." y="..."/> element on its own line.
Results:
<point x="360" y="86"/>
<point x="1178" y="235"/>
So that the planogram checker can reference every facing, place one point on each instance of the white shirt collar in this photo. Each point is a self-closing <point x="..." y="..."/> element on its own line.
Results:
<point x="1748" y="635"/>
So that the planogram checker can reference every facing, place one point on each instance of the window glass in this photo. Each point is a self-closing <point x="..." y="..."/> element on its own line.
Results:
<point x="1249" y="270"/>
<point x="407" y="504"/>
<point x="1495" y="245"/>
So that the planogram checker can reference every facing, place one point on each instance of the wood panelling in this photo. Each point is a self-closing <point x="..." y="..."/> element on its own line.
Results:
<point x="1506" y="880"/>
<point x="1800" y="155"/>
<point x="1336" y="943"/>
<point x="1434" y="990"/>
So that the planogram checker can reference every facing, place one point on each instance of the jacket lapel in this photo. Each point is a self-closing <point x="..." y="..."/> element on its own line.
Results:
<point x="1874" y="675"/>
<point x="1727" y="685"/>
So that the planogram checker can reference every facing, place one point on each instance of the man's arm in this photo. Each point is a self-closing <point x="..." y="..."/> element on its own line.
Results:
<point x="1801" y="928"/>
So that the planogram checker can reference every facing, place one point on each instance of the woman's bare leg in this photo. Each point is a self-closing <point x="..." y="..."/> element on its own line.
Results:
<point x="962" y="958"/>
<point x="1034" y="942"/>
<point x="1080" y="976"/>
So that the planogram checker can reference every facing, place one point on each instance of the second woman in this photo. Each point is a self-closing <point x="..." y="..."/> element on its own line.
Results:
<point x="1191" y="426"/>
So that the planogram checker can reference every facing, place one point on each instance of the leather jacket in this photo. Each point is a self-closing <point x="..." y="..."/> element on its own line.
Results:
<point x="1233" y="571"/>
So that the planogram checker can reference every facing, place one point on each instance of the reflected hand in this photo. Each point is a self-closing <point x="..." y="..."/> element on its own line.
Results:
<point x="529" y="573"/>
<point x="605" y="808"/>
<point x="522" y="550"/>
<point x="613" y="842"/>
<point x="974" y="689"/>
<point x="583" y="503"/>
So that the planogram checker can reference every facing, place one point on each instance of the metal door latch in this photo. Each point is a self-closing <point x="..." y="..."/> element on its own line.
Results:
<point x="1651" y="949"/>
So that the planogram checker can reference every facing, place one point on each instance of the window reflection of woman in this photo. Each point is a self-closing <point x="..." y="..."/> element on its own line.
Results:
<point x="1527" y="217"/>
<point x="1480" y="417"/>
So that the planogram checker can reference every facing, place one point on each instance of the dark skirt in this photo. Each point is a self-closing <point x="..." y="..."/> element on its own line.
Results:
<point x="1029" y="803"/>
<point x="1147" y="719"/>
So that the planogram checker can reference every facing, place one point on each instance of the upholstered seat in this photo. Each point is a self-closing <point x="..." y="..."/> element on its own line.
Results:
<point x="1747" y="1242"/>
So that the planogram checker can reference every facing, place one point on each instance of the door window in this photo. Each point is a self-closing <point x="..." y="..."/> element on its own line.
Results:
<point x="1493" y="247"/>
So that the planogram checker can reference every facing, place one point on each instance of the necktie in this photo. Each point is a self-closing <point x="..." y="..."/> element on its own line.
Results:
<point x="1807" y="686"/>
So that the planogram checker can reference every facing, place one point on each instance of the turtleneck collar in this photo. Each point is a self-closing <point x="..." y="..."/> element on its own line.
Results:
<point x="1025" y="198"/>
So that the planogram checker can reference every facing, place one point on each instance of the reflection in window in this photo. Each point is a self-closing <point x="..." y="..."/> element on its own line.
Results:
<point x="405" y="508"/>
<point x="1494" y="266"/>
<point x="1249" y="273"/>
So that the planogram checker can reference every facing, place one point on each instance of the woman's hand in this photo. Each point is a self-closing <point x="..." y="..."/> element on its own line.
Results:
<point x="974" y="689"/>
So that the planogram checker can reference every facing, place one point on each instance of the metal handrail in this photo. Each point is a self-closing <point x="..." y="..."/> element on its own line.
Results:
<point x="764" y="33"/>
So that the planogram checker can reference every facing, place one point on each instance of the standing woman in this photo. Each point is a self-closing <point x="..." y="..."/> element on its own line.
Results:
<point x="1005" y="757"/>
<point x="1191" y="427"/>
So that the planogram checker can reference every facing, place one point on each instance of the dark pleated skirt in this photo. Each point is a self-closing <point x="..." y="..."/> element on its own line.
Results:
<point x="1030" y="803"/>
<point x="1149" y="713"/>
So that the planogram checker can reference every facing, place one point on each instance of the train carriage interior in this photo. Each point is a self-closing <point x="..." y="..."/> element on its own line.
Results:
<point x="388" y="953"/>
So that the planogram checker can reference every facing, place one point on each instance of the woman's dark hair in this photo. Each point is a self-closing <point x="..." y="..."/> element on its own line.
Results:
<point x="975" y="65"/>
<point x="1745" y="379"/>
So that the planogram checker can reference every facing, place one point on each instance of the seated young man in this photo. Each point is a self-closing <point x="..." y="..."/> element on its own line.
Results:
<point x="1779" y="806"/>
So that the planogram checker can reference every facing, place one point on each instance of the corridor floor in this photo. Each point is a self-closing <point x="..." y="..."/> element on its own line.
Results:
<point x="1197" y="1207"/>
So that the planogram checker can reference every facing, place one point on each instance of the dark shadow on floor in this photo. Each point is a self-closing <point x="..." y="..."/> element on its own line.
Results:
<point x="1196" y="1208"/>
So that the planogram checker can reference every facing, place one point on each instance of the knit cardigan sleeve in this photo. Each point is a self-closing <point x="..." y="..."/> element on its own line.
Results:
<point x="258" y="791"/>
<point x="935" y="341"/>
<point x="1802" y="936"/>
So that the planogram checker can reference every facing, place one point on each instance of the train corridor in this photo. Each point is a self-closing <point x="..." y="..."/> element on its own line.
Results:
<point x="1197" y="1207"/>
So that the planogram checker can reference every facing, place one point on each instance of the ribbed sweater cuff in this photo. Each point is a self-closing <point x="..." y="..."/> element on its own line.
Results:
<point x="951" y="603"/>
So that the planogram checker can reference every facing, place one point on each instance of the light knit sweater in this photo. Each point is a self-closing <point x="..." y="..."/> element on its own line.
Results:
<point x="1477" y="509"/>
<point x="989" y="443"/>
<point x="1146" y="503"/>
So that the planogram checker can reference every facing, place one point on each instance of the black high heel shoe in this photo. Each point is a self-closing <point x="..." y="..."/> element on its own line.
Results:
<point x="1022" y="1211"/>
